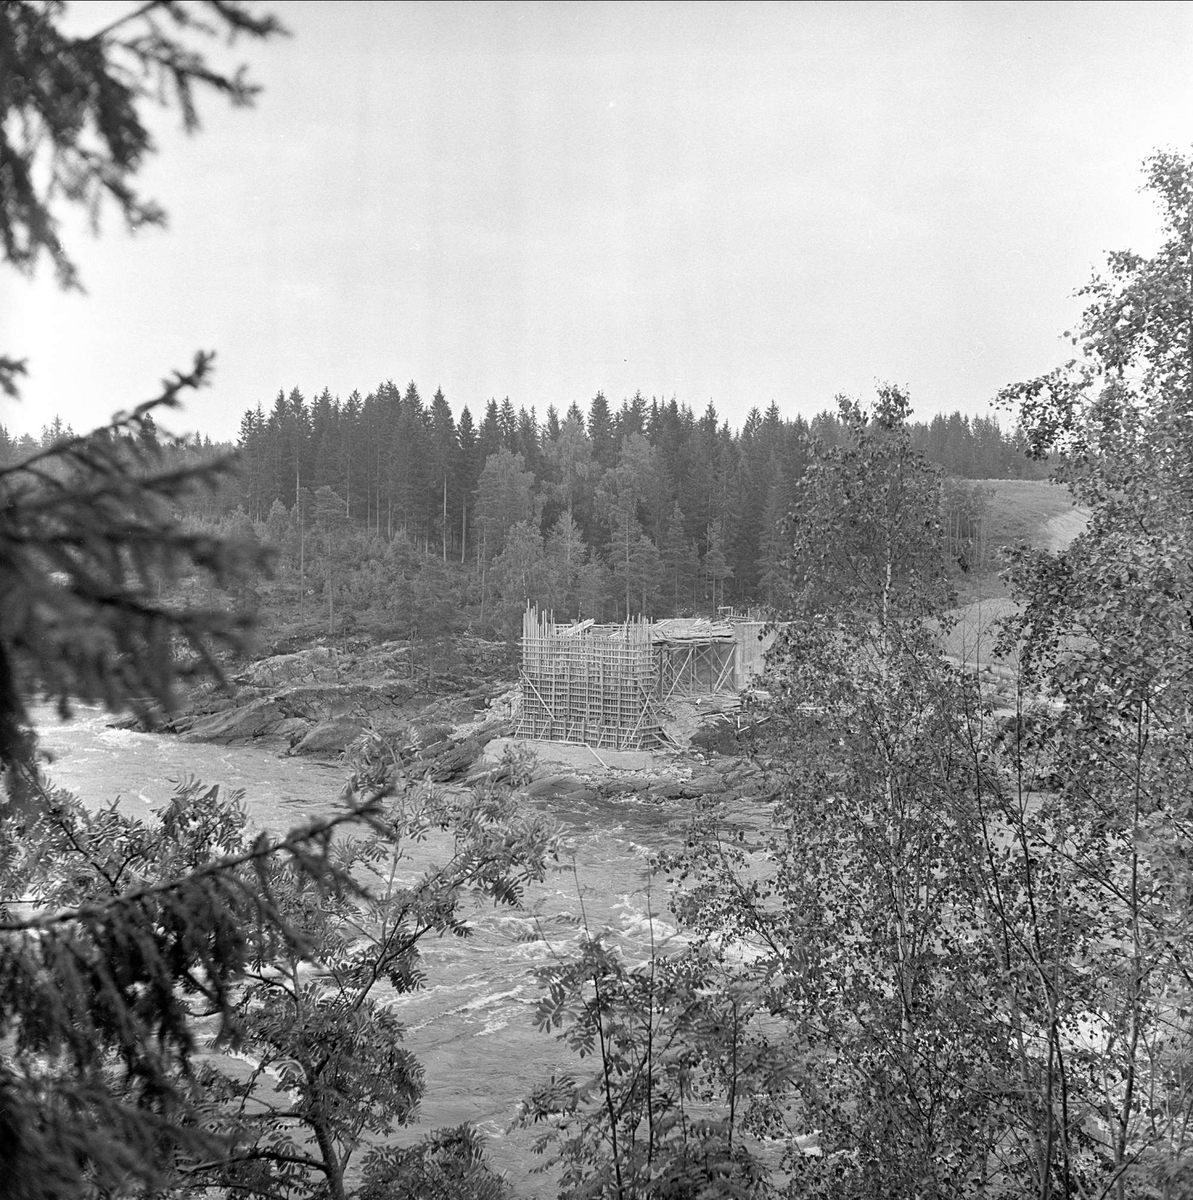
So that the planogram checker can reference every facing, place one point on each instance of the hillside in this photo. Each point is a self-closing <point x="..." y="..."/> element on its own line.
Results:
<point x="1032" y="511"/>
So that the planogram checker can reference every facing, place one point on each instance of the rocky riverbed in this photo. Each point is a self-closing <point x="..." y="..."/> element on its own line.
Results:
<point x="457" y="725"/>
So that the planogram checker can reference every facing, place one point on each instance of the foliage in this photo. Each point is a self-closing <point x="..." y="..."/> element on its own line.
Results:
<point x="862" y="915"/>
<point x="505" y="497"/>
<point x="117" y="936"/>
<point x="940" y="940"/>
<point x="87" y="524"/>
<point x="1105" y="635"/>
<point x="88" y="539"/>
<point x="329" y="1072"/>
<point x="627" y="538"/>
<point x="682" y="1092"/>
<point x="977" y="930"/>
<point x="70" y="122"/>
<point x="446" y="1165"/>
<point x="871" y="924"/>
<point x="965" y="513"/>
<point x="865" y="526"/>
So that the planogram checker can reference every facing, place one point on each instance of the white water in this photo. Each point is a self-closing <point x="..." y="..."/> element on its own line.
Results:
<point x="471" y="1025"/>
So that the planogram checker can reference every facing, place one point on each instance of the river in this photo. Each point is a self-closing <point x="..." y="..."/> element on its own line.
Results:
<point x="471" y="1025"/>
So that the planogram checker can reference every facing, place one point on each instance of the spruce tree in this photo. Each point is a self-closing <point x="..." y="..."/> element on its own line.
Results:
<point x="467" y="473"/>
<point x="444" y="452"/>
<point x="108" y="940"/>
<point x="601" y="431"/>
<point x="490" y="438"/>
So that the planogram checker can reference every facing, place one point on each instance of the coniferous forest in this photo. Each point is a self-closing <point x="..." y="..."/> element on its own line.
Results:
<point x="418" y="522"/>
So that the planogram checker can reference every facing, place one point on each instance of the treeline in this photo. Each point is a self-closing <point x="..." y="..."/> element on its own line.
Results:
<point x="646" y="508"/>
<point x="673" y="504"/>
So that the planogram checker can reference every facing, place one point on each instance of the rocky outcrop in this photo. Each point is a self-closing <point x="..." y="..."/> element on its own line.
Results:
<point x="328" y="737"/>
<point x="319" y="700"/>
<point x="293" y="713"/>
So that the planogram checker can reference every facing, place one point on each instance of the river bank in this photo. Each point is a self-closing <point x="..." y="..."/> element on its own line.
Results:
<point x="455" y="726"/>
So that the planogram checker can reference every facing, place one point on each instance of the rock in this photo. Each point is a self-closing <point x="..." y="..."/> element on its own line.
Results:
<point x="584" y="795"/>
<point x="667" y="790"/>
<point x="627" y="785"/>
<point x="366" y="701"/>
<point x="292" y="729"/>
<point x="744" y="779"/>
<point x="486" y="772"/>
<point x="552" y="787"/>
<point x="720" y="736"/>
<point x="134" y="722"/>
<point x="705" y="784"/>
<point x="319" y="664"/>
<point x="496" y="749"/>
<point x="453" y="762"/>
<point x="434" y="747"/>
<point x="329" y="737"/>
<point x="258" y="718"/>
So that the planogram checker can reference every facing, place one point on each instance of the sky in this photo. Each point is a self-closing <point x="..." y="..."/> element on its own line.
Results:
<point x="722" y="202"/>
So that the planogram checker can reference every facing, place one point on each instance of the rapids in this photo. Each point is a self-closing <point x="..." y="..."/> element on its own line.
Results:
<point x="471" y="1025"/>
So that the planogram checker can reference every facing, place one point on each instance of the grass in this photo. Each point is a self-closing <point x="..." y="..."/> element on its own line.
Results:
<point x="1026" y="510"/>
<point x="1019" y="510"/>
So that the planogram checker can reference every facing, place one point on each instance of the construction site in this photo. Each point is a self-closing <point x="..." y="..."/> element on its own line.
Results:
<point x="608" y="686"/>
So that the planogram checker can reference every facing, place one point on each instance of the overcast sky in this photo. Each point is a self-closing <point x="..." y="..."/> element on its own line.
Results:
<point x="729" y="202"/>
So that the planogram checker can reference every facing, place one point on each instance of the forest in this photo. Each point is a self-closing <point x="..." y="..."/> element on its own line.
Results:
<point x="955" y="962"/>
<point x="405" y="522"/>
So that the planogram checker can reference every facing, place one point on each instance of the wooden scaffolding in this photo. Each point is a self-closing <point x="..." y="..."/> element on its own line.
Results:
<point x="695" y="668"/>
<point x="593" y="685"/>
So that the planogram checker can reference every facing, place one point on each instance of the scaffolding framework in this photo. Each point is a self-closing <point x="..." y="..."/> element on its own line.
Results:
<point x="595" y="686"/>
<point x="695" y="668"/>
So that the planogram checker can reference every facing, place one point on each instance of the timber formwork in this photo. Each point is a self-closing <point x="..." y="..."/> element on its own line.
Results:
<point x="593" y="686"/>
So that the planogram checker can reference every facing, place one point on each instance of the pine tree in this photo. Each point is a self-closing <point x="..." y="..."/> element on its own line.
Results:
<point x="631" y="418"/>
<point x="566" y="555"/>
<point x="409" y="499"/>
<point x="573" y="473"/>
<point x="622" y="492"/>
<point x="528" y="440"/>
<point x="504" y="497"/>
<point x="349" y="475"/>
<point x="59" y="84"/>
